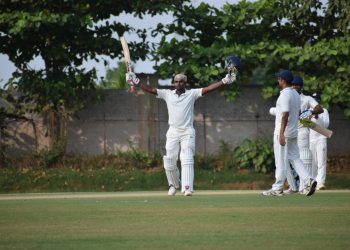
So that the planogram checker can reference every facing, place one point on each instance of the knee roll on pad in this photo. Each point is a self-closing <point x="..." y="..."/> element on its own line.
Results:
<point x="187" y="156"/>
<point x="170" y="163"/>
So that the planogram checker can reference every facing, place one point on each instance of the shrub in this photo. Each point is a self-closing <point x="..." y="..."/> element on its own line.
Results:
<point x="257" y="154"/>
<point x="48" y="157"/>
<point x="138" y="158"/>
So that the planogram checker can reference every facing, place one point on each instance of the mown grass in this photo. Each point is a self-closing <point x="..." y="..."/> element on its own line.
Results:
<point x="236" y="221"/>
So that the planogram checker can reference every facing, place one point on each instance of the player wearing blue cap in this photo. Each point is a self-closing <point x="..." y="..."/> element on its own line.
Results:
<point x="309" y="107"/>
<point x="285" y="144"/>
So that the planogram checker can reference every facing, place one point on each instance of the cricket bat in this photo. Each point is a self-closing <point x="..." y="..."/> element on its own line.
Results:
<point x="127" y="59"/>
<point x="126" y="54"/>
<point x="310" y="124"/>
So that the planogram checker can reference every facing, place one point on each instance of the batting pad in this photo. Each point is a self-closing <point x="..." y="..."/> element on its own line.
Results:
<point x="171" y="171"/>
<point x="187" y="173"/>
<point x="292" y="175"/>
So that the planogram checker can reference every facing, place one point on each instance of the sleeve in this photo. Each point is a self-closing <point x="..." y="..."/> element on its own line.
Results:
<point x="161" y="93"/>
<point x="285" y="102"/>
<point x="197" y="93"/>
<point x="325" y="118"/>
<point x="273" y="111"/>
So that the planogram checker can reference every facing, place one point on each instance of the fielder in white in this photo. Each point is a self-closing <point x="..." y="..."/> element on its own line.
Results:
<point x="285" y="138"/>
<point x="318" y="146"/>
<point x="308" y="106"/>
<point x="180" y="138"/>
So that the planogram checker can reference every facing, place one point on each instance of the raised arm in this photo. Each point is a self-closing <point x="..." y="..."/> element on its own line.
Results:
<point x="132" y="79"/>
<point x="230" y="78"/>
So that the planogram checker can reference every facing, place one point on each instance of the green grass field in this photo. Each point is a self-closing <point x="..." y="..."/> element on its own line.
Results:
<point x="152" y="220"/>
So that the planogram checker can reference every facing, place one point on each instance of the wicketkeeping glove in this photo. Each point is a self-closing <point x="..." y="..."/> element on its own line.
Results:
<point x="132" y="79"/>
<point x="229" y="78"/>
<point x="305" y="114"/>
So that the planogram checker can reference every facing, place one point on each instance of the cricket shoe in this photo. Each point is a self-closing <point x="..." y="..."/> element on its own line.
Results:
<point x="272" y="192"/>
<point x="187" y="193"/>
<point x="303" y="191"/>
<point x="289" y="192"/>
<point x="311" y="187"/>
<point x="321" y="187"/>
<point x="172" y="191"/>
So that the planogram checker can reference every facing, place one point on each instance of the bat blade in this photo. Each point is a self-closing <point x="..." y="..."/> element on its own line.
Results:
<point x="126" y="54"/>
<point x="310" y="124"/>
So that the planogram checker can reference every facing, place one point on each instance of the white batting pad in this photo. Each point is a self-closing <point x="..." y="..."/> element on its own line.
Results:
<point x="292" y="180"/>
<point x="171" y="171"/>
<point x="187" y="170"/>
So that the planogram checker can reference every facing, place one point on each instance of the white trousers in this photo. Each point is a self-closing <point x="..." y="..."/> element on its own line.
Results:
<point x="319" y="160"/>
<point x="305" y="156"/>
<point x="285" y="155"/>
<point x="182" y="142"/>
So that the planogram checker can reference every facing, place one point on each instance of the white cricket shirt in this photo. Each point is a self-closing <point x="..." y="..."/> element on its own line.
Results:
<point x="180" y="108"/>
<point x="306" y="102"/>
<point x="288" y="101"/>
<point x="323" y="121"/>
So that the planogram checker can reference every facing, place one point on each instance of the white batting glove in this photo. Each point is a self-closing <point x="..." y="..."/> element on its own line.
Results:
<point x="229" y="78"/>
<point x="132" y="79"/>
<point x="305" y="114"/>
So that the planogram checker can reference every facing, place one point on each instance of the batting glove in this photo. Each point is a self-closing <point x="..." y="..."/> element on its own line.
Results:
<point x="229" y="78"/>
<point x="132" y="79"/>
<point x="305" y="114"/>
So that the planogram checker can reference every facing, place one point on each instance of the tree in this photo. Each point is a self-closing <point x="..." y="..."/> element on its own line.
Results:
<point x="115" y="78"/>
<point x="65" y="34"/>
<point x="305" y="36"/>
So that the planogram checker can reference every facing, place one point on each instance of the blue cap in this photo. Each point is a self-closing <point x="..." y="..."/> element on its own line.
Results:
<point x="235" y="60"/>
<point x="286" y="75"/>
<point x="297" y="80"/>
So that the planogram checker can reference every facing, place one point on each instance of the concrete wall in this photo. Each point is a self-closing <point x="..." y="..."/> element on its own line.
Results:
<point x="142" y="121"/>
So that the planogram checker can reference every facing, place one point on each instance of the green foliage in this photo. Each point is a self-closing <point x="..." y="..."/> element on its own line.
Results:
<point x="64" y="34"/>
<point x="226" y="155"/>
<point x="49" y="157"/>
<point x="206" y="162"/>
<point x="268" y="35"/>
<point x="139" y="159"/>
<point x="115" y="78"/>
<point x="257" y="154"/>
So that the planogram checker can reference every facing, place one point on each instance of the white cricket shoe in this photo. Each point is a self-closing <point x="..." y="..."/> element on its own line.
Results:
<point x="321" y="187"/>
<point x="272" y="192"/>
<point x="187" y="193"/>
<point x="290" y="191"/>
<point x="310" y="187"/>
<point x="172" y="191"/>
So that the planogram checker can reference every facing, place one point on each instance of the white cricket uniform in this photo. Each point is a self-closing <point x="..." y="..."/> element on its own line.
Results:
<point x="318" y="146"/>
<point x="288" y="101"/>
<point x="306" y="102"/>
<point x="180" y="137"/>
